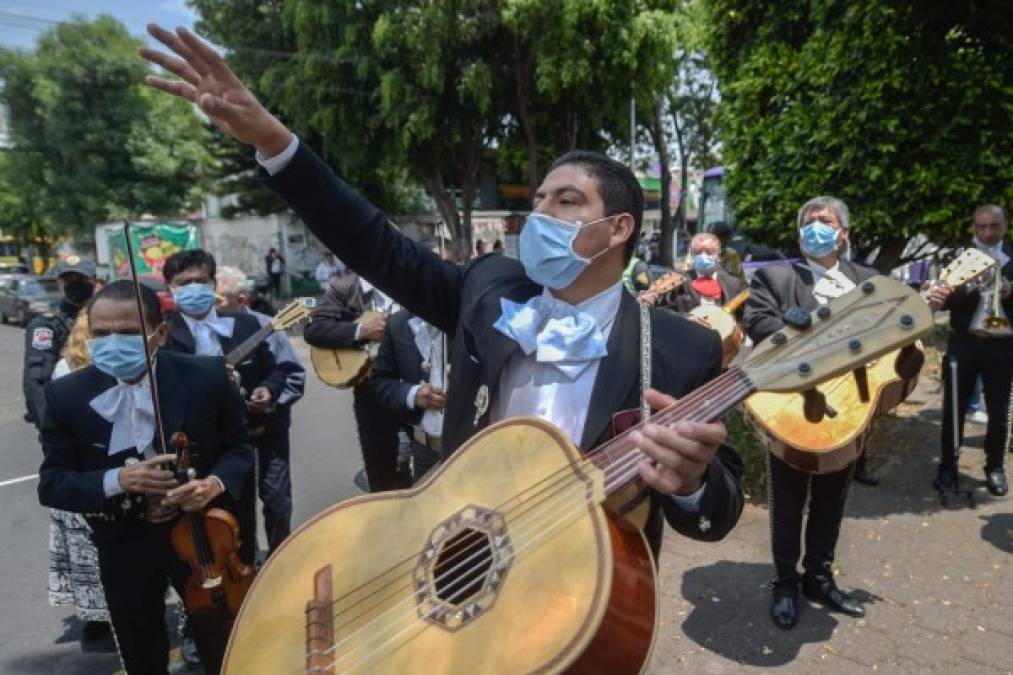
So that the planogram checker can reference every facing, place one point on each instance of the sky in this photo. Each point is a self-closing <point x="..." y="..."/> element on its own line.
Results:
<point x="22" y="21"/>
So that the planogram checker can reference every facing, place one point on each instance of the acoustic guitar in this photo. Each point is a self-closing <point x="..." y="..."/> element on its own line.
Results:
<point x="294" y="312"/>
<point x="660" y="287"/>
<point x="509" y="558"/>
<point x="345" y="367"/>
<point x="823" y="429"/>
<point x="722" y="319"/>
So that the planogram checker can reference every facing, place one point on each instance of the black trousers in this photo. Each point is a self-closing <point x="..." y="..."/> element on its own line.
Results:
<point x="136" y="571"/>
<point x="377" y="438"/>
<point x="789" y="489"/>
<point x="992" y="359"/>
<point x="274" y="484"/>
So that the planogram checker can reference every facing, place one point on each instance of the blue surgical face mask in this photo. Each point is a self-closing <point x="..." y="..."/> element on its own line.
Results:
<point x="121" y="356"/>
<point x="546" y="250"/>
<point x="704" y="263"/>
<point x="818" y="239"/>
<point x="194" y="299"/>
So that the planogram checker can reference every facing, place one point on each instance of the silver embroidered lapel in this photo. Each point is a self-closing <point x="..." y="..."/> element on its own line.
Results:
<point x="481" y="403"/>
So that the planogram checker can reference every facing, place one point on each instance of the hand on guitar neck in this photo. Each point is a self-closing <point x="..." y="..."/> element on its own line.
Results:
<point x="372" y="327"/>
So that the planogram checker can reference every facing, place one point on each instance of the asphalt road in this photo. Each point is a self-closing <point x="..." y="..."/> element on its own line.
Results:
<point x="36" y="638"/>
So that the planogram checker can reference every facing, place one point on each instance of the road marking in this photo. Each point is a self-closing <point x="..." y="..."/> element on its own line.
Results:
<point x="22" y="479"/>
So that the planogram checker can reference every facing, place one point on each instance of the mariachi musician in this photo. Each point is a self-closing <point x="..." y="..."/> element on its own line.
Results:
<point x="338" y="321"/>
<point x="104" y="459"/>
<point x="980" y="345"/>
<point x="823" y="236"/>
<point x="707" y="281"/>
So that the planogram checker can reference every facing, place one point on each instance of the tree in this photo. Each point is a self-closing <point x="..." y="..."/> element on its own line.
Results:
<point x="91" y="142"/>
<point x="901" y="108"/>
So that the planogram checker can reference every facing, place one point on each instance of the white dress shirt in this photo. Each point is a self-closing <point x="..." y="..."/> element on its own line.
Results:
<point x="829" y="282"/>
<point x="206" y="331"/>
<point x="128" y="406"/>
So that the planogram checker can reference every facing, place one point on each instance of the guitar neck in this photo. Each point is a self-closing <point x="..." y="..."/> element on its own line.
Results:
<point x="618" y="458"/>
<point x="248" y="345"/>
<point x="733" y="305"/>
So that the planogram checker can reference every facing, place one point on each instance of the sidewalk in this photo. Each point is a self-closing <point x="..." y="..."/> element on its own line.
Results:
<point x="937" y="583"/>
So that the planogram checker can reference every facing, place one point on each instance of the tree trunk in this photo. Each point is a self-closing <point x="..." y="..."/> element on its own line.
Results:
<point x="522" y="73"/>
<point x="680" y="214"/>
<point x="889" y="255"/>
<point x="656" y="128"/>
<point x="437" y="189"/>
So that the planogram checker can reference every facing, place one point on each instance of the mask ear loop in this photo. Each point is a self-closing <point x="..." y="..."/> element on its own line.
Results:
<point x="578" y="226"/>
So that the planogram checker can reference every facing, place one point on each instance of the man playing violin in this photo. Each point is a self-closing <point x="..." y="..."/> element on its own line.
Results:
<point x="104" y="458"/>
<point x="823" y="229"/>
<point x="552" y="335"/>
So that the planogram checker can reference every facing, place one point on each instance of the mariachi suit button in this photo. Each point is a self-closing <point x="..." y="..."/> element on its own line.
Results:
<point x="705" y="524"/>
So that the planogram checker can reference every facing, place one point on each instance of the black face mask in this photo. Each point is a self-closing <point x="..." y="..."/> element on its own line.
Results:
<point x="78" y="292"/>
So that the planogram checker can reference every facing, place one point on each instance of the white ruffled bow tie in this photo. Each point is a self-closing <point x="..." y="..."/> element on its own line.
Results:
<point x="203" y="330"/>
<point x="129" y="408"/>
<point x="556" y="332"/>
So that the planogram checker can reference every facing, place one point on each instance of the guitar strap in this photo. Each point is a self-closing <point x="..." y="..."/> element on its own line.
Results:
<point x="645" y="360"/>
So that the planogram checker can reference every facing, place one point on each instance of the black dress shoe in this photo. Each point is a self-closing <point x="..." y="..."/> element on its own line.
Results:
<point x="784" y="608"/>
<point x="864" y="476"/>
<point x="946" y="478"/>
<point x="826" y="592"/>
<point x="996" y="483"/>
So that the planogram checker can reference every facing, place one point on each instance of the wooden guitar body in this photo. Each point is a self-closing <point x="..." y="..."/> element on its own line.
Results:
<point x="502" y="560"/>
<point x="344" y="367"/>
<point x="837" y="439"/>
<point x="724" y="323"/>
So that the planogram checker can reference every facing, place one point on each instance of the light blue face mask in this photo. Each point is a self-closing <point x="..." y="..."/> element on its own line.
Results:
<point x="704" y="263"/>
<point x="818" y="239"/>
<point x="194" y="299"/>
<point x="121" y="356"/>
<point x="546" y="250"/>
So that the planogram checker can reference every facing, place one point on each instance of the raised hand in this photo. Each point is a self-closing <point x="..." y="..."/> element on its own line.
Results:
<point x="206" y="80"/>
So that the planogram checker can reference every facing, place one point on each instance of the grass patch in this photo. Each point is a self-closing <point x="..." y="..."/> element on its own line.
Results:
<point x="753" y="454"/>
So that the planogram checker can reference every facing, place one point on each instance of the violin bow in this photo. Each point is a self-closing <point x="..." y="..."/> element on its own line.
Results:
<point x="159" y="429"/>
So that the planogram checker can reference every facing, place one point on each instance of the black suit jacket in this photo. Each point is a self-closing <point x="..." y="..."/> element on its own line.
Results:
<point x="686" y="298"/>
<point x="398" y="368"/>
<point x="258" y="369"/>
<point x="196" y="397"/>
<point x="963" y="301"/>
<point x="465" y="302"/>
<point x="777" y="288"/>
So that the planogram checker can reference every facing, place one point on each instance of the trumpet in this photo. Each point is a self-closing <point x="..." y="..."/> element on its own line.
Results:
<point x="994" y="320"/>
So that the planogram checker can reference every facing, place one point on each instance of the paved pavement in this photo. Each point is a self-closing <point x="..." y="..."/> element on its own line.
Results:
<point x="938" y="582"/>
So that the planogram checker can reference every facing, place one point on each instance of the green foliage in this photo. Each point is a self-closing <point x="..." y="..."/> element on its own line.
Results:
<point x="91" y="142"/>
<point x="902" y="108"/>
<point x="754" y="456"/>
<point x="433" y="92"/>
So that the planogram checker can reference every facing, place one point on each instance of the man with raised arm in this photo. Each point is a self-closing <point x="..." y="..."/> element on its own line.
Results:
<point x="552" y="335"/>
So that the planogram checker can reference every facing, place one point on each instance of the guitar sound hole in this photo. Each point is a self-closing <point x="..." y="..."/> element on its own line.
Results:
<point x="462" y="566"/>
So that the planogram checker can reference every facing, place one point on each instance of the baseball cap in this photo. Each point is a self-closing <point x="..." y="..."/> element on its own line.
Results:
<point x="75" y="263"/>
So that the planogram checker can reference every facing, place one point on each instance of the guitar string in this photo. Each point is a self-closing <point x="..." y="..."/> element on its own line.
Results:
<point x="634" y="457"/>
<point x="610" y="470"/>
<point x="710" y="389"/>
<point x="625" y="466"/>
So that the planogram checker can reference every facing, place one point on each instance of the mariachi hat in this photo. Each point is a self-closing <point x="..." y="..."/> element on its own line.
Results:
<point x="75" y="263"/>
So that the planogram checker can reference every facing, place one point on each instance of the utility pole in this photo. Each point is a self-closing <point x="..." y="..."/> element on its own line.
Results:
<point x="633" y="134"/>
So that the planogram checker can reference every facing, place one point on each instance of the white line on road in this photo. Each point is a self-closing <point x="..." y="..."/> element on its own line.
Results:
<point x="22" y="479"/>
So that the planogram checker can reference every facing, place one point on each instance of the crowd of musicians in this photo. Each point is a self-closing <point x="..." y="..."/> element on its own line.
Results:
<point x="558" y="334"/>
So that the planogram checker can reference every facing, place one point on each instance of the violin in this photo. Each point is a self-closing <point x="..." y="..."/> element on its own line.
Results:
<point x="208" y="542"/>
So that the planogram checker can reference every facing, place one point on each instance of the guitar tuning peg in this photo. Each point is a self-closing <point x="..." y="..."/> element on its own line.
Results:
<point x="862" y="382"/>
<point x="909" y="362"/>
<point x="814" y="406"/>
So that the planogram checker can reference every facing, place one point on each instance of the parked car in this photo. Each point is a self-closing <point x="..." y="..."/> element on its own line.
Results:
<point x="23" y="297"/>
